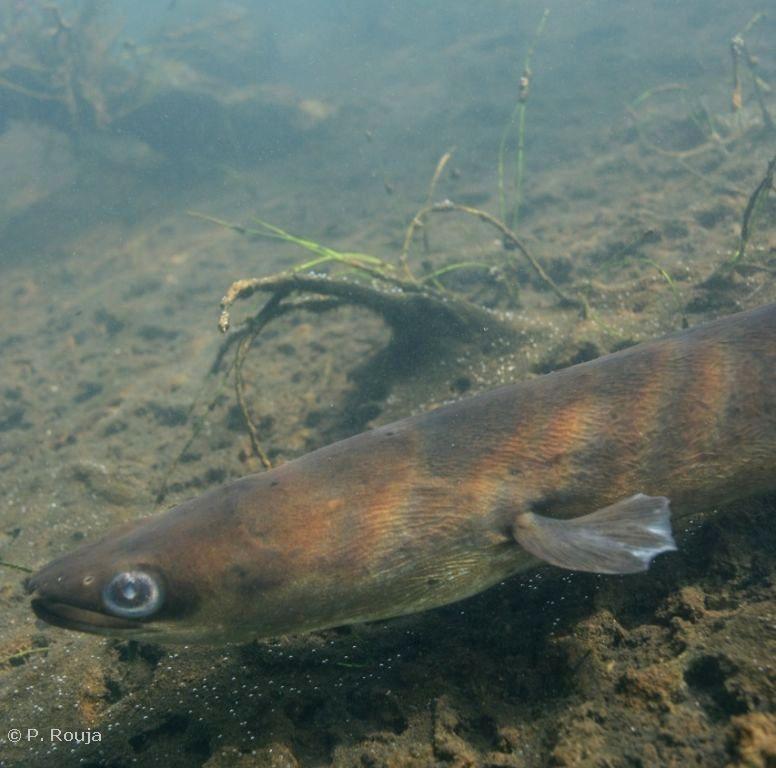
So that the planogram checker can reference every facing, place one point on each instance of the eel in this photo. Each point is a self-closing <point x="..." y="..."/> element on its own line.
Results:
<point x="582" y="468"/>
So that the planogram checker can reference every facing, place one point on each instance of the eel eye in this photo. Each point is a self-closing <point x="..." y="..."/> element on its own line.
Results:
<point x="132" y="594"/>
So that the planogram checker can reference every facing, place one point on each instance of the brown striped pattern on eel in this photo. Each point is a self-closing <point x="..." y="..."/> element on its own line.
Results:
<point x="583" y="468"/>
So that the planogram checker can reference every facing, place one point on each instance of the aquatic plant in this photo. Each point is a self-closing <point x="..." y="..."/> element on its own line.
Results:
<point x="71" y="67"/>
<point x="75" y="62"/>
<point x="510" y="213"/>
<point x="722" y="276"/>
<point x="511" y="240"/>
<point x="415" y="301"/>
<point x="700" y="131"/>
<point x="420" y="311"/>
<point x="751" y="211"/>
<point x="739" y="52"/>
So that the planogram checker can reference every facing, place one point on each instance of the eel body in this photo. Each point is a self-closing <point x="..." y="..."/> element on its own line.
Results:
<point x="577" y="467"/>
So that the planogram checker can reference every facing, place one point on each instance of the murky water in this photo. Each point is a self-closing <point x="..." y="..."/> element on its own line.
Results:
<point x="152" y="155"/>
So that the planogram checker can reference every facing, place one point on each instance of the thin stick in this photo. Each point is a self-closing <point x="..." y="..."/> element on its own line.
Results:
<point x="443" y="161"/>
<point x="199" y="421"/>
<point x="239" y="386"/>
<point x="454" y="267"/>
<point x="739" y="51"/>
<point x="16" y="567"/>
<point x="759" y="194"/>
<point x="448" y="206"/>
<point x="268" y="312"/>
<point x="310" y="305"/>
<point x="736" y="97"/>
<point x="21" y="655"/>
<point x="714" y="139"/>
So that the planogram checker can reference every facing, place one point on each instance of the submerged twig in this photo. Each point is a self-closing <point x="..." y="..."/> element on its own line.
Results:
<point x="416" y="312"/>
<point x="22" y="654"/>
<point x="398" y="307"/>
<point x="440" y="167"/>
<point x="16" y="567"/>
<point x="752" y="207"/>
<point x="713" y="139"/>
<point x="419" y="310"/>
<point x="232" y="340"/>
<point x="447" y="206"/>
<point x="257" y="324"/>
<point x="740" y="52"/>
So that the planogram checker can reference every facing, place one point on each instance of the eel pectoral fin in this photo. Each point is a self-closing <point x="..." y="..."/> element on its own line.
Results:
<point x="622" y="538"/>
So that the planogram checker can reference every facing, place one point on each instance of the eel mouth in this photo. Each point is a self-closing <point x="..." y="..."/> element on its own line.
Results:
<point x="69" y="616"/>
